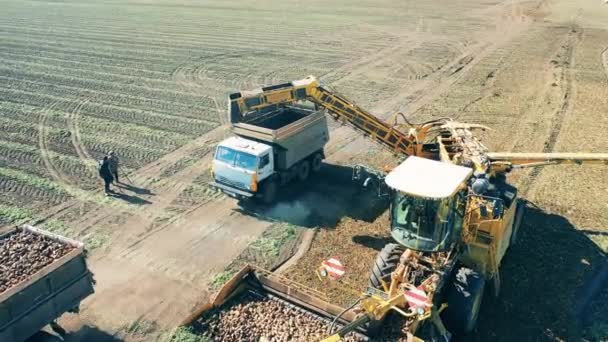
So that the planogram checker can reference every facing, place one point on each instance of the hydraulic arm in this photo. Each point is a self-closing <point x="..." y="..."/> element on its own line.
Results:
<point x="271" y="97"/>
<point x="522" y="160"/>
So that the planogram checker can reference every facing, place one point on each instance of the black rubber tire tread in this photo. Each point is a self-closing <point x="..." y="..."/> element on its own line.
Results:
<point x="303" y="170"/>
<point x="460" y="317"/>
<point x="386" y="262"/>
<point x="316" y="162"/>
<point x="269" y="192"/>
<point x="520" y="211"/>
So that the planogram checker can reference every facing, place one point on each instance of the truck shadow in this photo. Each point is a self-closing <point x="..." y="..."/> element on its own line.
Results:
<point x="84" y="334"/>
<point x="554" y="286"/>
<point x="323" y="200"/>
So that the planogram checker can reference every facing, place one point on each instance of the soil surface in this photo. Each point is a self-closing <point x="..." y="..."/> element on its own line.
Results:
<point x="149" y="80"/>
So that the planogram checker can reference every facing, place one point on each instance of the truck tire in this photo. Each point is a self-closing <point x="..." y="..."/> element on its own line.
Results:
<point x="57" y="328"/>
<point x="386" y="262"/>
<point x="464" y="297"/>
<point x="269" y="192"/>
<point x="519" y="215"/>
<point x="316" y="162"/>
<point x="43" y="336"/>
<point x="303" y="170"/>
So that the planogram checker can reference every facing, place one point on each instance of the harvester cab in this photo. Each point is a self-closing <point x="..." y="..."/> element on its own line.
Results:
<point x="427" y="206"/>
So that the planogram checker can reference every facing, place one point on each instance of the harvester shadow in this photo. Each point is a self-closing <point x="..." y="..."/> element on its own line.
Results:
<point x="322" y="201"/>
<point x="373" y="242"/>
<point x="554" y="286"/>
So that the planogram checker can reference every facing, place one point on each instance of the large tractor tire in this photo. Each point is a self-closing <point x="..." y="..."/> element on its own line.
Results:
<point x="520" y="210"/>
<point x="269" y="192"/>
<point x="303" y="170"/>
<point x="464" y="301"/>
<point x="386" y="262"/>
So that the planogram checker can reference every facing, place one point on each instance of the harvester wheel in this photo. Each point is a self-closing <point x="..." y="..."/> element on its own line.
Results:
<point x="269" y="193"/>
<point x="519" y="215"/>
<point x="316" y="162"/>
<point x="303" y="170"/>
<point x="464" y="301"/>
<point x="386" y="262"/>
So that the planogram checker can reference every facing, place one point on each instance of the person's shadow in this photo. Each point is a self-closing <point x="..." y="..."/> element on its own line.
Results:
<point x="135" y="189"/>
<point x="129" y="198"/>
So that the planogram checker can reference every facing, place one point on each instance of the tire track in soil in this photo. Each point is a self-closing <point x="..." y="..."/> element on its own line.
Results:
<point x="191" y="78"/>
<point x="509" y="24"/>
<point x="145" y="177"/>
<point x="604" y="57"/>
<point x="567" y="82"/>
<point x="79" y="196"/>
<point x="54" y="172"/>
<point x="74" y="129"/>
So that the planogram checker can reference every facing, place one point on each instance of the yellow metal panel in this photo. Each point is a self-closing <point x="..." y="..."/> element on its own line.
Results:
<point x="279" y="96"/>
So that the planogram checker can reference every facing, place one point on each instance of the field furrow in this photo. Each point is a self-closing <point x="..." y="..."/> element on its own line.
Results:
<point x="151" y="119"/>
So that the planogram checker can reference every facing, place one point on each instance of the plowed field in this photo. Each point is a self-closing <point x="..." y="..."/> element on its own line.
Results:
<point x="149" y="79"/>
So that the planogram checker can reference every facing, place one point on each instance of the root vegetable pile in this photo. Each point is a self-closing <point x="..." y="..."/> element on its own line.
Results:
<point x="23" y="253"/>
<point x="251" y="318"/>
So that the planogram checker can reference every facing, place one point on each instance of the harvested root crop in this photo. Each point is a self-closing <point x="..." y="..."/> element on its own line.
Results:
<point x="24" y="253"/>
<point x="255" y="318"/>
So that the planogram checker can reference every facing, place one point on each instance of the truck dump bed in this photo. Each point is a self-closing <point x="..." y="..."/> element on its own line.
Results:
<point x="49" y="278"/>
<point x="297" y="132"/>
<point x="282" y="307"/>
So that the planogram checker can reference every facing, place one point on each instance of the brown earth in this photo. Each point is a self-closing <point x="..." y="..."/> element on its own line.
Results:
<point x="149" y="79"/>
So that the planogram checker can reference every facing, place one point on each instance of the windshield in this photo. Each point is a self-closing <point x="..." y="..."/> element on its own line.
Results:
<point x="422" y="224"/>
<point x="236" y="158"/>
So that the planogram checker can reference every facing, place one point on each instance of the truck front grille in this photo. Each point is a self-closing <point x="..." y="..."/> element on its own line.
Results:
<point x="228" y="182"/>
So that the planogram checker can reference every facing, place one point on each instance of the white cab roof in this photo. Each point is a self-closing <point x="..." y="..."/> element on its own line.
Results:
<point x="427" y="178"/>
<point x="245" y="145"/>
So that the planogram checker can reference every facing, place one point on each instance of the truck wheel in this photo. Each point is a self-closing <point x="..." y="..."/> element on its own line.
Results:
<point x="303" y="170"/>
<point x="519" y="215"/>
<point x="386" y="262"/>
<point x="464" y="301"/>
<point x="316" y="162"/>
<point x="57" y="328"/>
<point x="269" y="193"/>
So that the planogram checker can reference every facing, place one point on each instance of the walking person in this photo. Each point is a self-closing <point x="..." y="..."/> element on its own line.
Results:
<point x="106" y="174"/>
<point x="113" y="160"/>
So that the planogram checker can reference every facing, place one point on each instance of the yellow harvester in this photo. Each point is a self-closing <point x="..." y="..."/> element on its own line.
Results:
<point x="453" y="214"/>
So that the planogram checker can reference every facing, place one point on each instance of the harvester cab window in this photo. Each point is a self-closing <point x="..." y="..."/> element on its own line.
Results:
<point x="418" y="215"/>
<point x="422" y="223"/>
